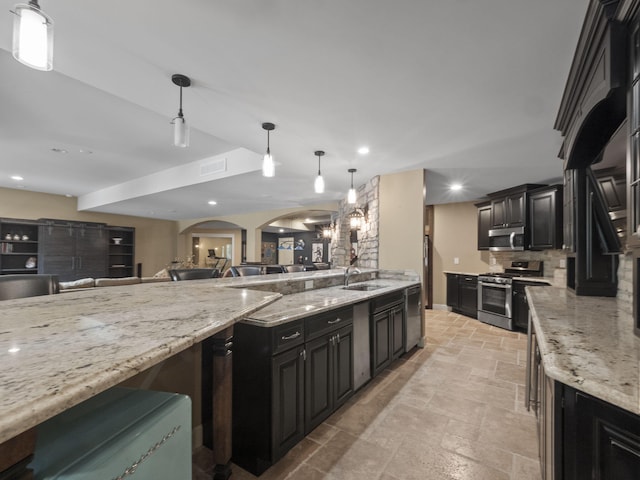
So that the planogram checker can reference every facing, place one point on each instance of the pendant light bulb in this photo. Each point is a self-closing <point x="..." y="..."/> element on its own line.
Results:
<point x="319" y="183"/>
<point x="180" y="132"/>
<point x="32" y="36"/>
<point x="268" y="165"/>
<point x="351" y="196"/>
<point x="180" y="126"/>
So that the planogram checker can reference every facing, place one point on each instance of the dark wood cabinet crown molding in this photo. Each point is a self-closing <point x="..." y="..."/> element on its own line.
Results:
<point x="593" y="104"/>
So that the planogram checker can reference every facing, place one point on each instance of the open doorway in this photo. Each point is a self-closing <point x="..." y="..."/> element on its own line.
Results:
<point x="210" y="250"/>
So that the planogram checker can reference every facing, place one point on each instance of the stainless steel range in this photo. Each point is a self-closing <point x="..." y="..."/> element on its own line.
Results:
<point x="495" y="293"/>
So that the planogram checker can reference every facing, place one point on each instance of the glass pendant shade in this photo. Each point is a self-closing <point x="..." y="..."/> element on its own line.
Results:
<point x="354" y="223"/>
<point x="180" y="132"/>
<point x="268" y="167"/>
<point x="351" y="196"/>
<point x="318" y="185"/>
<point x="33" y="37"/>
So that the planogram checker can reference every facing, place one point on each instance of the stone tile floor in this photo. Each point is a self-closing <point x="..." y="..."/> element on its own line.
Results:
<point x="453" y="410"/>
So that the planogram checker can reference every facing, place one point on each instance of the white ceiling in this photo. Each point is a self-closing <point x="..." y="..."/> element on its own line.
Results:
<point x="467" y="89"/>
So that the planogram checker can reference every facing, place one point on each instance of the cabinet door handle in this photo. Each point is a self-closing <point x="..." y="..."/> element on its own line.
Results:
<point x="615" y="443"/>
<point x="338" y="337"/>
<point x="303" y="354"/>
<point x="292" y="336"/>
<point x="337" y="320"/>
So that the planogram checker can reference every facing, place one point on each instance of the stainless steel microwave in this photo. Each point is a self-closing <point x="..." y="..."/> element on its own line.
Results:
<point x="506" y="239"/>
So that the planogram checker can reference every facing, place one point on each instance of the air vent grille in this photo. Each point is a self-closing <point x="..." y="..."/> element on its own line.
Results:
<point x="215" y="166"/>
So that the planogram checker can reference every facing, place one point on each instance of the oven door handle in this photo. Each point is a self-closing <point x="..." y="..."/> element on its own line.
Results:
<point x="495" y="285"/>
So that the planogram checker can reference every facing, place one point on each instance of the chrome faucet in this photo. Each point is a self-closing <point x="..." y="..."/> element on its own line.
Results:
<point x="348" y="272"/>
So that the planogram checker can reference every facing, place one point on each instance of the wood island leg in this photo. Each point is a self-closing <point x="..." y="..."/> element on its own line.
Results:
<point x="217" y="396"/>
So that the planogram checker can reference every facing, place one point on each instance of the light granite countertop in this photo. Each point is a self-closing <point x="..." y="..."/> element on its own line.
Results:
<point x="58" y="350"/>
<point x="588" y="343"/>
<point x="311" y="302"/>
<point x="284" y="278"/>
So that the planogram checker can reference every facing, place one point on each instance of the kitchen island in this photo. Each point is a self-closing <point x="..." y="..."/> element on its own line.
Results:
<point x="60" y="350"/>
<point x="588" y="343"/>
<point x="584" y="366"/>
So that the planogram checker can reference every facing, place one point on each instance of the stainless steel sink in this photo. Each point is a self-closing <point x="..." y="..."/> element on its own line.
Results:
<point x="363" y="287"/>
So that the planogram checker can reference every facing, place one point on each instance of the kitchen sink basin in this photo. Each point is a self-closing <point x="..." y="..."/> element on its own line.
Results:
<point x="363" y="287"/>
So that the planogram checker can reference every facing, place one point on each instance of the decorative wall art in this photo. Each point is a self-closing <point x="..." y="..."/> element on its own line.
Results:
<point x="285" y="250"/>
<point x="317" y="252"/>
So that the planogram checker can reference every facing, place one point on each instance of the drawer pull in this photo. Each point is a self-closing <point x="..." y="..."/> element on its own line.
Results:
<point x="292" y="336"/>
<point x="331" y="322"/>
<point x="615" y="443"/>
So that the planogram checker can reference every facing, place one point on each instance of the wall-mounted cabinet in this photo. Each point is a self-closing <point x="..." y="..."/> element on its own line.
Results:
<point x="545" y="218"/>
<point x="509" y="210"/>
<point x="484" y="224"/>
<point x="18" y="247"/>
<point x="513" y="207"/>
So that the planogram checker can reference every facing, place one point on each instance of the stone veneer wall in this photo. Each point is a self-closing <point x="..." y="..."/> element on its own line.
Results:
<point x="367" y="195"/>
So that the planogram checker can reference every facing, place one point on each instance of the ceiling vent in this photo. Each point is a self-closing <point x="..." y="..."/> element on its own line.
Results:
<point x="216" y="166"/>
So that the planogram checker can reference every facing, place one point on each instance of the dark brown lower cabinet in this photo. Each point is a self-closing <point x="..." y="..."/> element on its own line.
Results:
<point x="462" y="294"/>
<point x="602" y="441"/>
<point x="287" y="380"/>
<point x="387" y="331"/>
<point x="328" y="375"/>
<point x="288" y="400"/>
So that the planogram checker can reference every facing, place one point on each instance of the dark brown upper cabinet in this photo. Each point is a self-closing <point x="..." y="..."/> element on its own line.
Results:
<point x="545" y="218"/>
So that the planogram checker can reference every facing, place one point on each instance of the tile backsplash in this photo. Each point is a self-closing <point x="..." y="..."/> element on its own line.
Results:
<point x="554" y="263"/>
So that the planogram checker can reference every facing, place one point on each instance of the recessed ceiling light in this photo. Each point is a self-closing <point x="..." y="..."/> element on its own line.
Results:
<point x="281" y="230"/>
<point x="59" y="150"/>
<point x="212" y="202"/>
<point x="455" y="187"/>
<point x="363" y="150"/>
<point x="68" y="195"/>
<point x="17" y="178"/>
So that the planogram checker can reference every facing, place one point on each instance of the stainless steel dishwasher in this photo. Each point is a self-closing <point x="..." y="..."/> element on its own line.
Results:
<point x="414" y="318"/>
<point x="361" y="347"/>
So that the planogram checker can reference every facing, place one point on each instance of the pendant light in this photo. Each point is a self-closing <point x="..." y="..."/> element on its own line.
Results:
<point x="180" y="127"/>
<point x="268" y="167"/>
<point x="319" y="183"/>
<point x="351" y="196"/>
<point x="32" y="36"/>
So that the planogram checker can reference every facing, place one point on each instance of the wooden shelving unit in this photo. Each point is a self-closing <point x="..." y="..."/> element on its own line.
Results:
<point x="18" y="246"/>
<point x="121" y="252"/>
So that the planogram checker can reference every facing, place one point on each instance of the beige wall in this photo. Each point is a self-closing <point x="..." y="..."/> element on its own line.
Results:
<point x="401" y="221"/>
<point x="155" y="239"/>
<point x="455" y="234"/>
